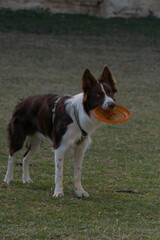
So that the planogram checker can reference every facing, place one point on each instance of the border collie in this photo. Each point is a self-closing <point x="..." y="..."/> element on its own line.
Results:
<point x="67" y="121"/>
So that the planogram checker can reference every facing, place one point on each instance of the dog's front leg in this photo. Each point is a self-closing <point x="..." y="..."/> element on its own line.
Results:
<point x="59" y="159"/>
<point x="78" y="158"/>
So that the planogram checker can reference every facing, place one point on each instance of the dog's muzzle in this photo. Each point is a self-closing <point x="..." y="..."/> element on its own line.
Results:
<point x="111" y="105"/>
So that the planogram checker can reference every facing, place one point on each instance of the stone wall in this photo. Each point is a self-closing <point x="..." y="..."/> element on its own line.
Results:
<point x="101" y="8"/>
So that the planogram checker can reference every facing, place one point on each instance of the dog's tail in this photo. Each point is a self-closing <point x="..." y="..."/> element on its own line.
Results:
<point x="16" y="129"/>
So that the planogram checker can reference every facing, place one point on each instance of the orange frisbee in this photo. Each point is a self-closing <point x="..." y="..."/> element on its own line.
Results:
<point x="117" y="115"/>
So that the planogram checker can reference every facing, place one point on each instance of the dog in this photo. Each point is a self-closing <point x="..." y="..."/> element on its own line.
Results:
<point x="67" y="122"/>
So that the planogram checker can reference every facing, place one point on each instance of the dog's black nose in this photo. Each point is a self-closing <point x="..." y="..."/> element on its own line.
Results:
<point x="111" y="105"/>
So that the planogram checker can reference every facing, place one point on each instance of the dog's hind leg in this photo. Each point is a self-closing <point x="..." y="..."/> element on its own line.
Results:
<point x="9" y="174"/>
<point x="15" y="145"/>
<point x="34" y="146"/>
<point x="26" y="177"/>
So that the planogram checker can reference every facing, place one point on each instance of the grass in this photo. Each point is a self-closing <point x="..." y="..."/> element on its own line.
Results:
<point x="41" y="53"/>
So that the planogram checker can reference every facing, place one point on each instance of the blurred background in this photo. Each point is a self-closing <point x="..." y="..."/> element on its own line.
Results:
<point x="100" y="8"/>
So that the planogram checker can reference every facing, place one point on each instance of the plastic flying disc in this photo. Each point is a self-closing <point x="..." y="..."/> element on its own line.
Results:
<point x="117" y="115"/>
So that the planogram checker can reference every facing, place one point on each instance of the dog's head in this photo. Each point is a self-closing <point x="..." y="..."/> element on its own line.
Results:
<point x="98" y="92"/>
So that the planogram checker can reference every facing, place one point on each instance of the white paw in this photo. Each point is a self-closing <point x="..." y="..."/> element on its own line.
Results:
<point x="27" y="180"/>
<point x="81" y="193"/>
<point x="7" y="180"/>
<point x="58" y="193"/>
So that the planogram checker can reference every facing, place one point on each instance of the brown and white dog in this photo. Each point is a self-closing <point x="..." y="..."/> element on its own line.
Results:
<point x="66" y="121"/>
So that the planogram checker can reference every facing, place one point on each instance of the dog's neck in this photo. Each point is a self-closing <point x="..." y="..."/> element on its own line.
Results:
<point x="87" y="122"/>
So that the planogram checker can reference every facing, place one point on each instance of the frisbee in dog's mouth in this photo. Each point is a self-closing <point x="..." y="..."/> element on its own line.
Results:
<point x="117" y="115"/>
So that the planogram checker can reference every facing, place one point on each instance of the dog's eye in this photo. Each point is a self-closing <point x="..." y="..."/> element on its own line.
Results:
<point x="98" y="95"/>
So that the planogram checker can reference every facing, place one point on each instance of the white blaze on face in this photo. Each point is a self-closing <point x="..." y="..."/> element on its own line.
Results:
<point x="107" y="101"/>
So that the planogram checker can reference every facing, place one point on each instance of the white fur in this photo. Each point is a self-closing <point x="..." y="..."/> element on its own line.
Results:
<point x="107" y="99"/>
<point x="72" y="135"/>
<point x="9" y="174"/>
<point x="88" y="124"/>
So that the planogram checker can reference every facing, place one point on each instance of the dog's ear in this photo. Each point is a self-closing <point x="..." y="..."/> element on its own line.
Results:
<point x="106" y="76"/>
<point x="88" y="80"/>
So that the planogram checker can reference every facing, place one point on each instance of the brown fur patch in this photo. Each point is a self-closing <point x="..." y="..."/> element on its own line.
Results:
<point x="88" y="80"/>
<point x="61" y="122"/>
<point x="34" y="114"/>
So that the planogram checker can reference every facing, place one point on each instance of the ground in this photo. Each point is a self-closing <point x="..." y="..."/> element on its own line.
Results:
<point x="41" y="53"/>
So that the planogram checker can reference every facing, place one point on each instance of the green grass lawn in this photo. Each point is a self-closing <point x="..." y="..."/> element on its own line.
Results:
<point x="45" y="53"/>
